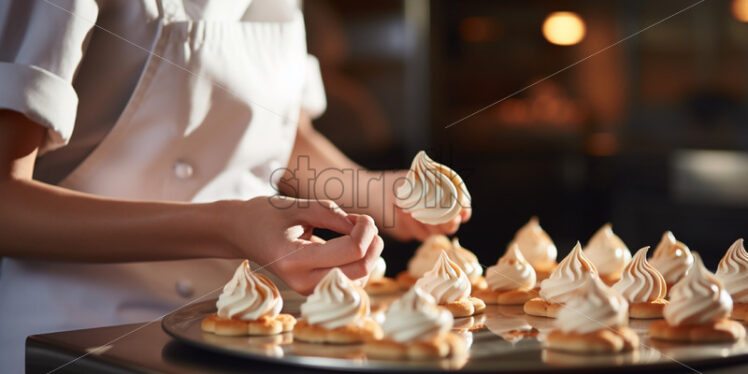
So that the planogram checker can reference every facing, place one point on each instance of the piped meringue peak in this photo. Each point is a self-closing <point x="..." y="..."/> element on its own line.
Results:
<point x="671" y="258"/>
<point x="607" y="251"/>
<point x="380" y="267"/>
<point x="698" y="298"/>
<point x="733" y="272"/>
<point x="428" y="253"/>
<point x="640" y="281"/>
<point x="446" y="282"/>
<point x="595" y="307"/>
<point x="416" y="317"/>
<point x="432" y="192"/>
<point x="511" y="272"/>
<point x="249" y="296"/>
<point x="336" y="301"/>
<point x="535" y="244"/>
<point x="568" y="277"/>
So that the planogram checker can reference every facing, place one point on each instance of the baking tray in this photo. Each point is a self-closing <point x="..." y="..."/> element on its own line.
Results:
<point x="503" y="339"/>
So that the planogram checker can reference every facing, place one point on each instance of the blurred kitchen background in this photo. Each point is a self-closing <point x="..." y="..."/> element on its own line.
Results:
<point x="650" y="134"/>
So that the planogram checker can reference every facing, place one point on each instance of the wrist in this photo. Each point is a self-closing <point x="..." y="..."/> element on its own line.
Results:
<point x="220" y="219"/>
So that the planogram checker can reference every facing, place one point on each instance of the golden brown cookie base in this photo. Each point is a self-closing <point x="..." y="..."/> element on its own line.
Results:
<point x="541" y="308"/>
<point x="724" y="330"/>
<point x="383" y="286"/>
<point x="348" y="334"/>
<point x="604" y="340"/>
<point x="479" y="283"/>
<point x="739" y="311"/>
<point x="512" y="297"/>
<point x="444" y="345"/>
<point x="236" y="327"/>
<point x="405" y="280"/>
<point x="472" y="323"/>
<point x="647" y="310"/>
<point x="465" y="307"/>
<point x="610" y="279"/>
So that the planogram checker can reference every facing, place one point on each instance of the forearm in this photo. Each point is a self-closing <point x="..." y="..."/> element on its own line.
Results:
<point x="52" y="223"/>
<point x="317" y="169"/>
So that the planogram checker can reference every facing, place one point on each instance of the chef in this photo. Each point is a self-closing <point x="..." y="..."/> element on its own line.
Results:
<point x="139" y="148"/>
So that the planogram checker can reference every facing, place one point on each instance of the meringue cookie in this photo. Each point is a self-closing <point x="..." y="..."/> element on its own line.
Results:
<point x="336" y="301"/>
<point x="698" y="298"/>
<point x="427" y="254"/>
<point x="249" y="296"/>
<point x="416" y="317"/>
<point x="607" y="251"/>
<point x="432" y="193"/>
<point x="671" y="258"/>
<point x="640" y="281"/>
<point x="595" y="307"/>
<point x="535" y="244"/>
<point x="511" y="272"/>
<point x="446" y="282"/>
<point x="733" y="272"/>
<point x="568" y="277"/>
<point x="465" y="259"/>
<point x="380" y="267"/>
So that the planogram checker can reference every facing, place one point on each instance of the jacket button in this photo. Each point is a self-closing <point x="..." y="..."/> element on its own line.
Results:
<point x="185" y="288"/>
<point x="183" y="170"/>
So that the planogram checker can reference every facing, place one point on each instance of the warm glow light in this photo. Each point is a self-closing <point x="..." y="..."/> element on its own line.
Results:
<point x="740" y="10"/>
<point x="563" y="28"/>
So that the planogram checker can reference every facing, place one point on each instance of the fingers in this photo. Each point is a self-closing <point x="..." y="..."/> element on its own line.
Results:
<point x="465" y="214"/>
<point x="363" y="267"/>
<point x="341" y="250"/>
<point x="323" y="214"/>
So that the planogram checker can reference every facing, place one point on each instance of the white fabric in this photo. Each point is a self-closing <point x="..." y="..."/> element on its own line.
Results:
<point x="211" y="118"/>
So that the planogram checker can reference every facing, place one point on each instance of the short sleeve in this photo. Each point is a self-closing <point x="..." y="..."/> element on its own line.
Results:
<point x="41" y="47"/>
<point x="313" y="98"/>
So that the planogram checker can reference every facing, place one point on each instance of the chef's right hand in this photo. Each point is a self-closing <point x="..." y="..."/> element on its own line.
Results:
<point x="276" y="232"/>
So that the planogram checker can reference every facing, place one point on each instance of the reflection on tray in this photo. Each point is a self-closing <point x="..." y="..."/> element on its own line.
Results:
<point x="263" y="345"/>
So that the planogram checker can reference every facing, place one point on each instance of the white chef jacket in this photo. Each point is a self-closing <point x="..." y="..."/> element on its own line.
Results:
<point x="76" y="80"/>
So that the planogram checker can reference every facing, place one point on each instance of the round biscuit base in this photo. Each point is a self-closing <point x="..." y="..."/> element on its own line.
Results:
<point x="647" y="310"/>
<point x="621" y="339"/>
<point x="512" y="297"/>
<point x="541" y="308"/>
<point x="236" y="327"/>
<point x="405" y="280"/>
<point x="384" y="286"/>
<point x="724" y="330"/>
<point x="445" y="345"/>
<point x="739" y="311"/>
<point x="465" y="307"/>
<point x="348" y="334"/>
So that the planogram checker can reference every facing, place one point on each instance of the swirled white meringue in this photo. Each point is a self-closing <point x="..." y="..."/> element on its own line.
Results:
<point x="446" y="282"/>
<point x="336" y="301"/>
<point x="466" y="260"/>
<point x="380" y="267"/>
<point x="249" y="296"/>
<point x="416" y="317"/>
<point x="671" y="258"/>
<point x="511" y="272"/>
<point x="640" y="282"/>
<point x="607" y="251"/>
<point x="568" y="277"/>
<point x="698" y="298"/>
<point x="535" y="245"/>
<point x="733" y="272"/>
<point x="428" y="254"/>
<point x="595" y="307"/>
<point x="432" y="193"/>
